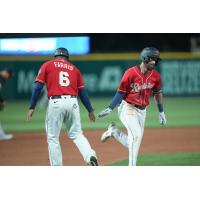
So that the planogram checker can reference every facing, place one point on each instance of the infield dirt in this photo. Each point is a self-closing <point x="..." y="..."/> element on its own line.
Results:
<point x="30" y="149"/>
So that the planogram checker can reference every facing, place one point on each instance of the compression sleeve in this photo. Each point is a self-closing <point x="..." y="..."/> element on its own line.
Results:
<point x="85" y="99"/>
<point x="116" y="99"/>
<point x="37" y="88"/>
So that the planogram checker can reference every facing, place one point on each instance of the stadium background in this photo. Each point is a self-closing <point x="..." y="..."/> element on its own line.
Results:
<point x="110" y="55"/>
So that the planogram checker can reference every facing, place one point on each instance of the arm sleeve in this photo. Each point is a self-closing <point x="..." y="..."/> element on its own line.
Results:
<point x="85" y="99"/>
<point x="158" y="98"/>
<point x="116" y="99"/>
<point x="35" y="94"/>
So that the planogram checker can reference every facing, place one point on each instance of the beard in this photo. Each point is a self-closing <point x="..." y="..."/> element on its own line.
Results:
<point x="150" y="67"/>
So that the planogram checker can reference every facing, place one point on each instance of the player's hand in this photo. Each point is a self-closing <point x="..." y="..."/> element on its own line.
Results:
<point x="104" y="112"/>
<point x="162" y="118"/>
<point x="91" y="116"/>
<point x="30" y="114"/>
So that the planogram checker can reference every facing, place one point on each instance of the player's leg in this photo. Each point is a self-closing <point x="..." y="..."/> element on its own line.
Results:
<point x="54" y="119"/>
<point x="134" y="137"/>
<point x="120" y="136"/>
<point x="116" y="133"/>
<point x="133" y="119"/>
<point x="3" y="135"/>
<point x="73" y="125"/>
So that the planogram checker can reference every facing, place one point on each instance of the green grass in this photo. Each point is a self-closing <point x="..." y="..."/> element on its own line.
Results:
<point x="181" y="112"/>
<point x="172" y="159"/>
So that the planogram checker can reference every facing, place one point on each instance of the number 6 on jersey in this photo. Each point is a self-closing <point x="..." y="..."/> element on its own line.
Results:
<point x="63" y="80"/>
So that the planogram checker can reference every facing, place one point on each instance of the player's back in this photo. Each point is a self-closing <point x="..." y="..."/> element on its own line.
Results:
<point x="61" y="77"/>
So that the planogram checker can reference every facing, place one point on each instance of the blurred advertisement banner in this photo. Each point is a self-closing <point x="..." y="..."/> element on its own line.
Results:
<point x="44" y="46"/>
<point x="102" y="77"/>
<point x="181" y="77"/>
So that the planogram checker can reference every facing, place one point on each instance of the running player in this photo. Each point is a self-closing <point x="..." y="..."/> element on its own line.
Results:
<point x="133" y="94"/>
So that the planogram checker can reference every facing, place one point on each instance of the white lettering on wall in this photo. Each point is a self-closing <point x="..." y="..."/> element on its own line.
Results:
<point x="181" y="77"/>
<point x="25" y="81"/>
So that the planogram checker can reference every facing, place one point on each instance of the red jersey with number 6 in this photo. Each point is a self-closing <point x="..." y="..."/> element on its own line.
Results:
<point x="61" y="77"/>
<point x="138" y="86"/>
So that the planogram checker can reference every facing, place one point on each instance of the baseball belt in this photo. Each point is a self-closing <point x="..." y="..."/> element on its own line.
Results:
<point x="60" y="96"/>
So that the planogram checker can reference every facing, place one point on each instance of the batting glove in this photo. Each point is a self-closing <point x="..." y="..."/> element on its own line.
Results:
<point x="104" y="112"/>
<point x="162" y="118"/>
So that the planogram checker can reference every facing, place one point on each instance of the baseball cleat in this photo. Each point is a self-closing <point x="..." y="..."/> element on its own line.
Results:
<point x="93" y="161"/>
<point x="111" y="129"/>
<point x="6" y="137"/>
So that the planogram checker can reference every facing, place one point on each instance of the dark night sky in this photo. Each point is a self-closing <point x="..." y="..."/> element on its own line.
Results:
<point x="124" y="42"/>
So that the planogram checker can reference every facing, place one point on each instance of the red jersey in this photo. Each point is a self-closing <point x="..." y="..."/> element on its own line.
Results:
<point x="61" y="77"/>
<point x="138" y="86"/>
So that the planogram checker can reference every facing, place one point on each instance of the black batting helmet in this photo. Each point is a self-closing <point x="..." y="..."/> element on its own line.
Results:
<point x="150" y="53"/>
<point x="61" y="52"/>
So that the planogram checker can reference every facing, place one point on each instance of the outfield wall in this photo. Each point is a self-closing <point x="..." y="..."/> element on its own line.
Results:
<point x="102" y="73"/>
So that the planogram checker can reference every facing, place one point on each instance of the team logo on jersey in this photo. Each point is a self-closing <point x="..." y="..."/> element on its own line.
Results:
<point x="136" y="87"/>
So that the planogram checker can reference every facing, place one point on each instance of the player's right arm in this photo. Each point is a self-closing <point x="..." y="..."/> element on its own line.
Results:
<point x="116" y="100"/>
<point x="86" y="102"/>
<point x="120" y="94"/>
<point x="37" y="88"/>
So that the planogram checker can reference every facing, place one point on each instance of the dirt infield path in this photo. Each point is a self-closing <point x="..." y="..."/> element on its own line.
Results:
<point x="30" y="149"/>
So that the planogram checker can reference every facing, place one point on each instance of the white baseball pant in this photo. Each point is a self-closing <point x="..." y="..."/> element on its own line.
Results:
<point x="134" y="120"/>
<point x="65" y="110"/>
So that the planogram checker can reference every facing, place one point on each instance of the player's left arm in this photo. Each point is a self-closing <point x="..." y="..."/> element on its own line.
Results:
<point x="84" y="97"/>
<point x="82" y="93"/>
<point x="159" y="101"/>
<point x="158" y="98"/>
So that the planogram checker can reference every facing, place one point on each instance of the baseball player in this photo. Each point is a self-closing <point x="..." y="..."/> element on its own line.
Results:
<point x="64" y="83"/>
<point x="5" y="75"/>
<point x="137" y="84"/>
